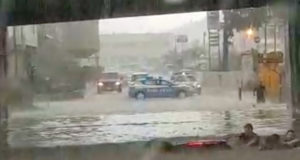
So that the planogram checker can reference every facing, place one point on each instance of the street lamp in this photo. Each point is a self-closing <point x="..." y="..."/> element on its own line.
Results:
<point x="250" y="32"/>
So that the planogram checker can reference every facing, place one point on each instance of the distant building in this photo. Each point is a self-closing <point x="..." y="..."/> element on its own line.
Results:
<point x="22" y="44"/>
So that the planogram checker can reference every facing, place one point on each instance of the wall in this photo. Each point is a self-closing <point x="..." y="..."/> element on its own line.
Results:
<point x="21" y="44"/>
<point x="26" y="35"/>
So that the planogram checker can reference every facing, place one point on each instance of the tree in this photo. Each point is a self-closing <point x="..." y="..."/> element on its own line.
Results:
<point x="55" y="66"/>
<point x="239" y="20"/>
<point x="190" y="55"/>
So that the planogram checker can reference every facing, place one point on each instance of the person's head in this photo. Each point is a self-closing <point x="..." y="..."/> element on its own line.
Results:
<point x="290" y="135"/>
<point x="248" y="128"/>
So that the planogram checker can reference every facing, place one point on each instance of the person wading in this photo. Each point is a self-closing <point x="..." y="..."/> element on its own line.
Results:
<point x="259" y="92"/>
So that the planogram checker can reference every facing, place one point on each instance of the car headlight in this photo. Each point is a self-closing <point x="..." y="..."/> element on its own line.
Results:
<point x="100" y="84"/>
<point x="117" y="83"/>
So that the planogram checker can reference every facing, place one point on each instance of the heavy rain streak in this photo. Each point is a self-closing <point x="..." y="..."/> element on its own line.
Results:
<point x="173" y="78"/>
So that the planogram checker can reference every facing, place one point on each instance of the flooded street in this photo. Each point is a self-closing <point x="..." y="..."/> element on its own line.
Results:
<point x="149" y="80"/>
<point x="87" y="121"/>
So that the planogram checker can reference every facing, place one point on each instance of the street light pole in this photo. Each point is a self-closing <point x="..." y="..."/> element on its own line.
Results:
<point x="219" y="54"/>
<point x="265" y="51"/>
<point x="204" y="39"/>
<point x="275" y="38"/>
<point x="209" y="57"/>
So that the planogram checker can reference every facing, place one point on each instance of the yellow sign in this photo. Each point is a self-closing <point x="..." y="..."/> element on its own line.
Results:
<point x="272" y="57"/>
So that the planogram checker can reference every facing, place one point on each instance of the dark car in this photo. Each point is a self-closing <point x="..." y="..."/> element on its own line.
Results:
<point x="154" y="88"/>
<point x="109" y="81"/>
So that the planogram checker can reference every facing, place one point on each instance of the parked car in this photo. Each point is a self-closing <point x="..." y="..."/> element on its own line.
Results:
<point x="187" y="79"/>
<point x="109" y="81"/>
<point x="154" y="88"/>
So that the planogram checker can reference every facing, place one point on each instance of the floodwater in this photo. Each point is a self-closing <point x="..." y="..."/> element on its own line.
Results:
<point x="86" y="130"/>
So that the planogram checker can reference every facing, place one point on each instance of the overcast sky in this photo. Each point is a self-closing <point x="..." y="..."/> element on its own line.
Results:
<point x="148" y="24"/>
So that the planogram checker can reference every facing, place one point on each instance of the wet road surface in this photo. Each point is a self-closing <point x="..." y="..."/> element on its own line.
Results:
<point x="113" y="118"/>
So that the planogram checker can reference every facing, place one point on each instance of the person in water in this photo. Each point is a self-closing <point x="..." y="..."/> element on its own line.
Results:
<point x="290" y="139"/>
<point x="249" y="137"/>
<point x="272" y="142"/>
<point x="259" y="92"/>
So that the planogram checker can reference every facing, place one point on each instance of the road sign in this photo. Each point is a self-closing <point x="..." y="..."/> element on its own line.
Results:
<point x="213" y="38"/>
<point x="272" y="57"/>
<point x="213" y="20"/>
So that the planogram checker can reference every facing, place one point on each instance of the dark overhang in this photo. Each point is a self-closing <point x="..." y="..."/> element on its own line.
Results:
<point x="20" y="12"/>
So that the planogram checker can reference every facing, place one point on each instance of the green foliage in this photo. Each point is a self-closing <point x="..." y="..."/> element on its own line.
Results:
<point x="56" y="68"/>
<point x="57" y="65"/>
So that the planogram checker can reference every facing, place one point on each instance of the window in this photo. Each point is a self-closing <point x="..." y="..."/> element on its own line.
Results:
<point x="149" y="82"/>
<point x="165" y="83"/>
<point x="179" y="79"/>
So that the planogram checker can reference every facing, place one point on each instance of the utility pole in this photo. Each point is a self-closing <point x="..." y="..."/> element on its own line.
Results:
<point x="275" y="37"/>
<point x="225" y="42"/>
<point x="204" y="41"/>
<point x="225" y="50"/>
<point x="213" y="27"/>
<point x="213" y="42"/>
<point x="265" y="51"/>
<point x="209" y="57"/>
<point x="206" y="53"/>
<point x="15" y="51"/>
<point x="219" y="53"/>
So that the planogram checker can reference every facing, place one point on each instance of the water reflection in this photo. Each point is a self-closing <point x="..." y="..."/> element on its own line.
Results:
<point x="142" y="127"/>
<point x="228" y="122"/>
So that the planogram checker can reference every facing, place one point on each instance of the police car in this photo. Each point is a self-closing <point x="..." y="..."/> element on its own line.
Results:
<point x="154" y="88"/>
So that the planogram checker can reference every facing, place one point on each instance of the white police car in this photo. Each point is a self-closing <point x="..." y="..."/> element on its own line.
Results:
<point x="156" y="88"/>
